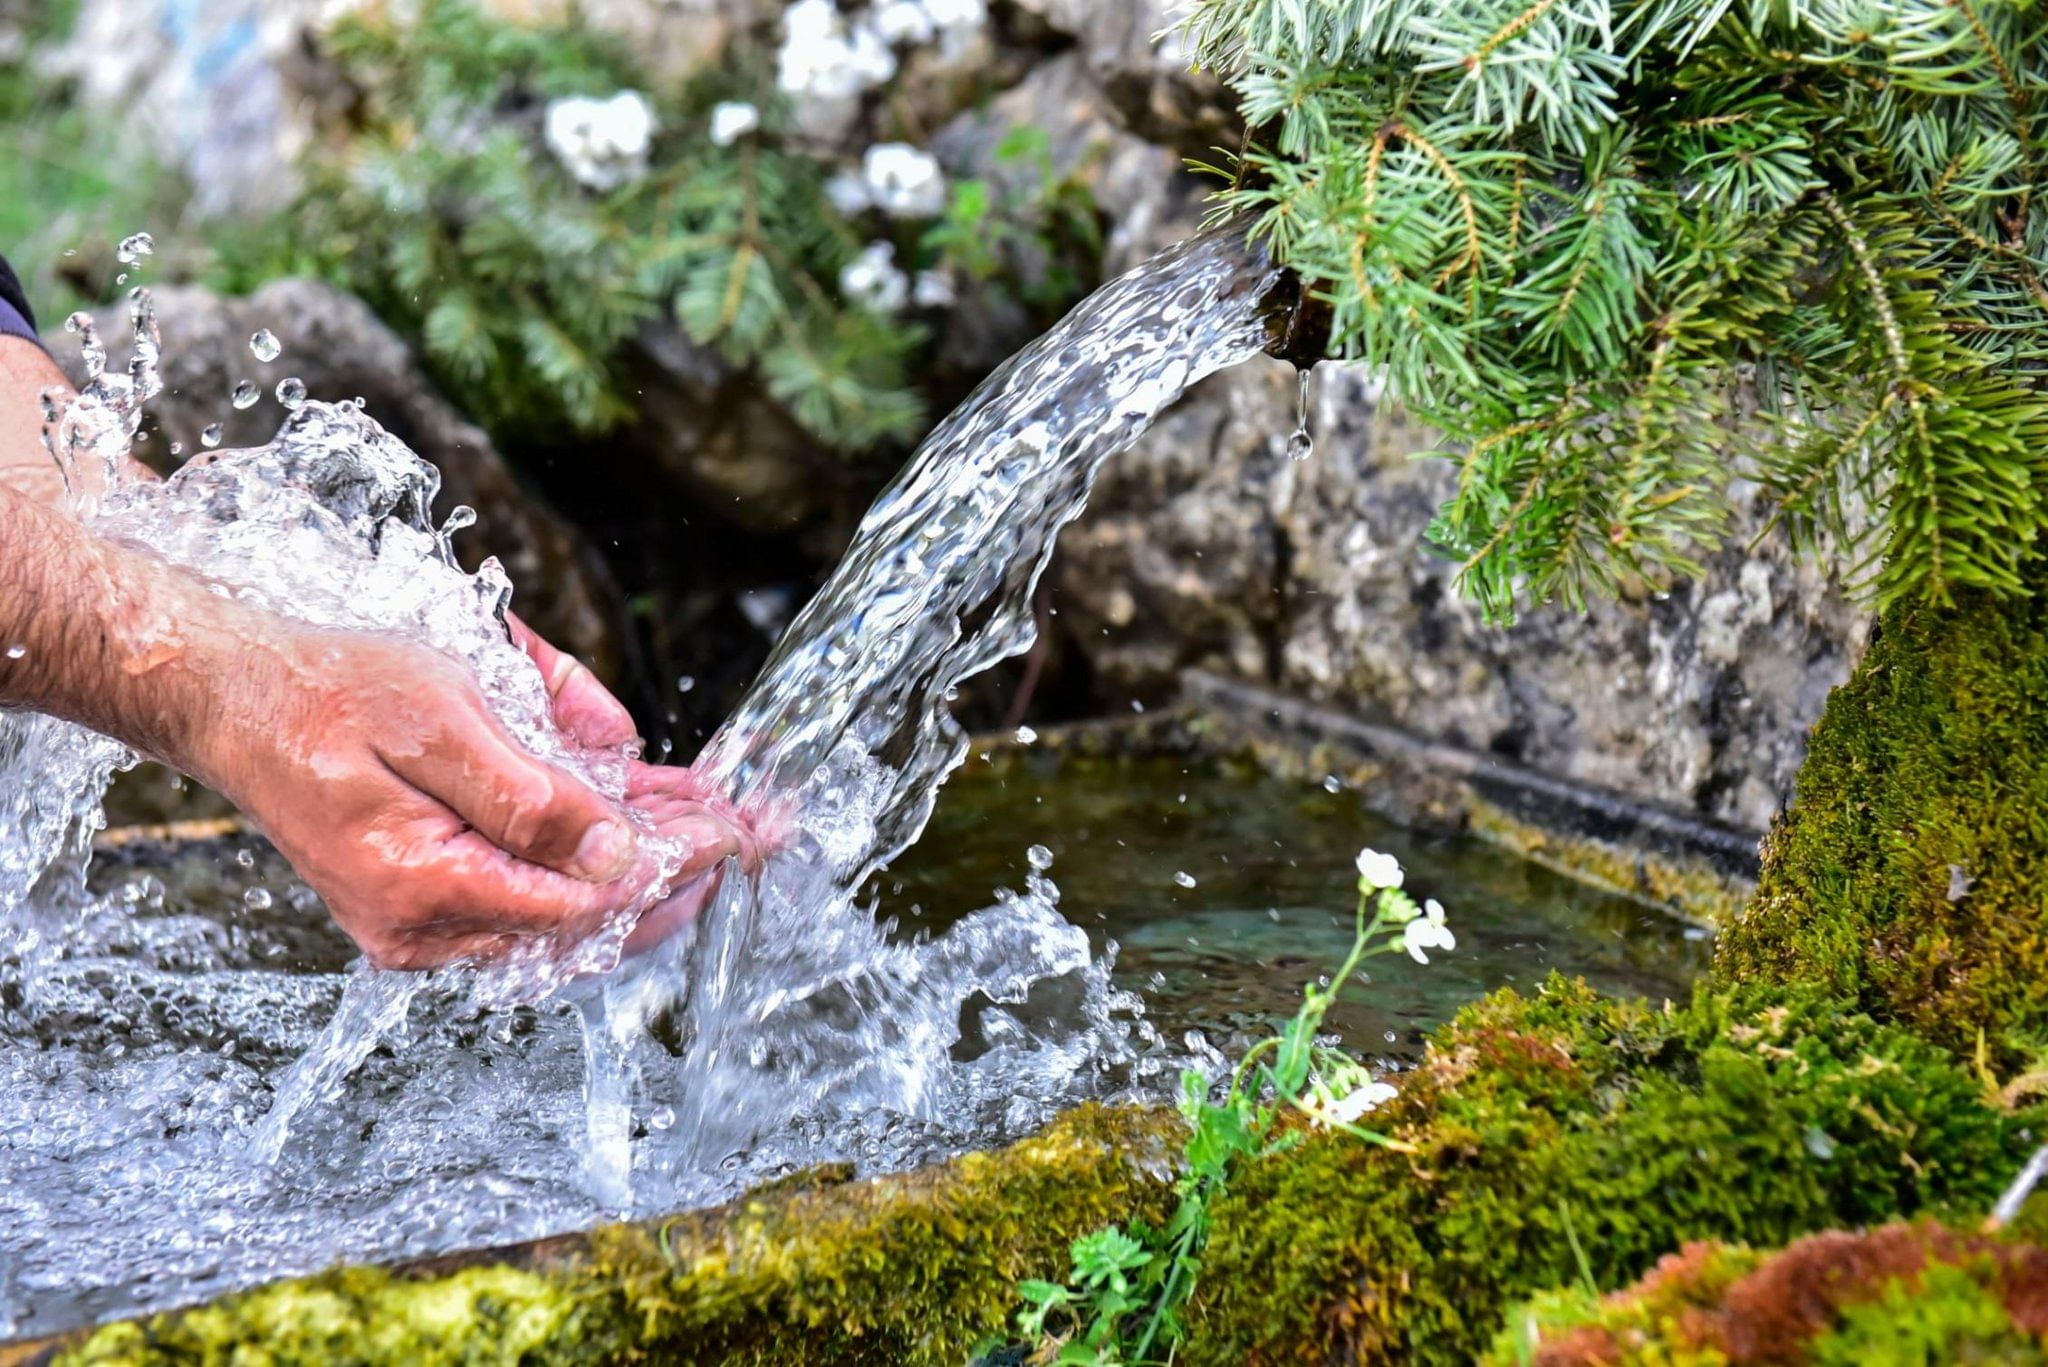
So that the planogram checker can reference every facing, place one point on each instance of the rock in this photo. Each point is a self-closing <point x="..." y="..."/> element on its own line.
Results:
<point x="340" y="350"/>
<point x="1206" y="547"/>
<point x="720" y="440"/>
<point x="1135" y="53"/>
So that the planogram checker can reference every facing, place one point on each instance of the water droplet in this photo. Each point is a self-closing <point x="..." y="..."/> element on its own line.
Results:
<point x="1391" y="1037"/>
<point x="685" y="684"/>
<point x="662" y="1119"/>
<point x="15" y="652"/>
<point x="134" y="247"/>
<point x="1025" y="735"/>
<point x="1137" y="706"/>
<point x="1184" y="878"/>
<point x="177" y="449"/>
<point x="1039" y="857"/>
<point x="292" y="392"/>
<point x="210" y="438"/>
<point x="1302" y="444"/>
<point x="460" y="518"/>
<point x="264" y="346"/>
<point x="121" y="278"/>
<point x="246" y="393"/>
<point x="245" y="859"/>
<point x="257" y="899"/>
<point x="1332" y="784"/>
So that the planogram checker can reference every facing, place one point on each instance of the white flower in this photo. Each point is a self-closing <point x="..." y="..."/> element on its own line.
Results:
<point x="957" y="21"/>
<point x="1347" y="1109"/>
<point x="603" y="143"/>
<point x="904" y="21"/>
<point x="874" y="281"/>
<point x="848" y="193"/>
<point x="904" y="181"/>
<point x="1427" y="932"/>
<point x="823" y="58"/>
<point x="934" y="290"/>
<point x="732" y="121"/>
<point x="1379" y="870"/>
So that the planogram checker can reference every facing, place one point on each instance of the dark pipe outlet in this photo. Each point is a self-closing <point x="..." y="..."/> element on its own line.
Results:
<point x="1297" y="323"/>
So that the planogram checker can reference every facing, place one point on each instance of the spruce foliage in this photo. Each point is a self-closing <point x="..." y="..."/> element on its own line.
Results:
<point x="1625" y="252"/>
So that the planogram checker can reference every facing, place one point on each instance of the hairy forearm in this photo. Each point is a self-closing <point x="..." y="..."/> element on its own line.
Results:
<point x="103" y="634"/>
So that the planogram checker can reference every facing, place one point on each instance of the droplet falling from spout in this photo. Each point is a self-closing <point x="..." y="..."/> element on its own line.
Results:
<point x="1302" y="444"/>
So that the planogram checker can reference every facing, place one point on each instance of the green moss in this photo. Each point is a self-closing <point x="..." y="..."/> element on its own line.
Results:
<point x="1631" y="1128"/>
<point x="1907" y="876"/>
<point x="1948" y="1315"/>
<point x="909" y="1269"/>
<point x="1899" y="1296"/>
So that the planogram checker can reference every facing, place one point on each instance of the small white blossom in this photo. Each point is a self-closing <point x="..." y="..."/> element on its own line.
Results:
<point x="904" y="21"/>
<point x="1427" y="932"/>
<point x="904" y="181"/>
<point x="874" y="280"/>
<point x="602" y="143"/>
<point x="934" y="290"/>
<point x="1379" y="870"/>
<point x="1347" y="1109"/>
<point x="732" y="121"/>
<point x="823" y="57"/>
<point x="957" y="22"/>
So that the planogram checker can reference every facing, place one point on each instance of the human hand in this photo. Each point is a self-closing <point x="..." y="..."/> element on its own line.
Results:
<point x="684" y="806"/>
<point x="585" y="710"/>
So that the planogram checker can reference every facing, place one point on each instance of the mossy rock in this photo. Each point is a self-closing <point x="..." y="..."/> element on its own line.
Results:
<point x="1904" y="1295"/>
<point x="1910" y="876"/>
<point x="916" y="1268"/>
<point x="1537" y="1130"/>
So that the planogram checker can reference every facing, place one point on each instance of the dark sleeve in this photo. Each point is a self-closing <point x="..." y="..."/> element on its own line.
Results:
<point x="16" y="318"/>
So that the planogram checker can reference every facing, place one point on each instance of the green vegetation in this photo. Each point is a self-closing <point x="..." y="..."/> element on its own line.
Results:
<point x="1899" y="1296"/>
<point x="1626" y="251"/>
<point x="1543" y="1131"/>
<point x="1124" y="1297"/>
<point x="1907" y="879"/>
<point x="441" y="207"/>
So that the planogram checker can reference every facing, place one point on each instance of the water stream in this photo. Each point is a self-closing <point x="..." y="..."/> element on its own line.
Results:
<point x="191" y="1106"/>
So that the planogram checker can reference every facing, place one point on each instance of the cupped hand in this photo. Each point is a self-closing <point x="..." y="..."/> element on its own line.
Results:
<point x="378" y="771"/>
<point x="683" y="806"/>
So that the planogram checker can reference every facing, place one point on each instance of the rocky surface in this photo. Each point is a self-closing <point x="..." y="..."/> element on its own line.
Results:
<point x="340" y="350"/>
<point x="1206" y="546"/>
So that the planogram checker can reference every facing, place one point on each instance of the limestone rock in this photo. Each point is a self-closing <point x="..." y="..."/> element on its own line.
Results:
<point x="1135" y="53"/>
<point x="340" y="350"/>
<point x="1206" y="547"/>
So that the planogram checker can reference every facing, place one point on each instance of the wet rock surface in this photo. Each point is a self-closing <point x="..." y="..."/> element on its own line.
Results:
<point x="1206" y="547"/>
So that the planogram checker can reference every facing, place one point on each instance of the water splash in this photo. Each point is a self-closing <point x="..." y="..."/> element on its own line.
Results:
<point x="787" y="1027"/>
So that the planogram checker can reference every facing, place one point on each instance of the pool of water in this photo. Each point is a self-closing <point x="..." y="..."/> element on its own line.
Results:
<point x="1273" y="897"/>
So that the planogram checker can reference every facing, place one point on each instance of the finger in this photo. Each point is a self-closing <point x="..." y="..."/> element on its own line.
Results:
<point x="517" y="802"/>
<point x="583" y="707"/>
<point x="673" y="912"/>
<point x="479" y="890"/>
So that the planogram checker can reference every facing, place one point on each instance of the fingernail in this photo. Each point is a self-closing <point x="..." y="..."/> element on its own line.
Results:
<point x="606" y="852"/>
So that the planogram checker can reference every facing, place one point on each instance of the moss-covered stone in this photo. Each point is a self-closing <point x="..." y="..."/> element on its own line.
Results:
<point x="1625" y="1127"/>
<point x="909" y="1269"/>
<point x="1905" y="1295"/>
<point x="1911" y="875"/>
